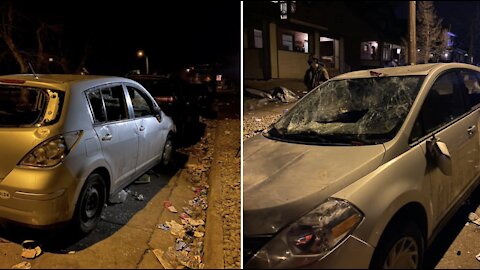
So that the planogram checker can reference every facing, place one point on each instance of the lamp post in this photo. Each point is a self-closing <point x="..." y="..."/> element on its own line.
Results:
<point x="141" y="54"/>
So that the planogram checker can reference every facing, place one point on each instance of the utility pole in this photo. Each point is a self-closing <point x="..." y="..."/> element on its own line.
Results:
<point x="412" y="52"/>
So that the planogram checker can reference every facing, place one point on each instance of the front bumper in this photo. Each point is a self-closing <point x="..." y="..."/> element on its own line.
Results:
<point x="37" y="197"/>
<point x="352" y="253"/>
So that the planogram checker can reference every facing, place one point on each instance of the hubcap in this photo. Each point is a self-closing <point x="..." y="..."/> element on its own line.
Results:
<point x="92" y="199"/>
<point x="167" y="152"/>
<point x="403" y="255"/>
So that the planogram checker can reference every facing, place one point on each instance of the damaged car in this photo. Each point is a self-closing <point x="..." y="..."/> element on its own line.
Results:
<point x="71" y="142"/>
<point x="364" y="170"/>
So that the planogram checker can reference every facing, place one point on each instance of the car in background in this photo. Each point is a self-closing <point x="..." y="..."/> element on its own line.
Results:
<point x="364" y="171"/>
<point x="71" y="142"/>
<point x="178" y="99"/>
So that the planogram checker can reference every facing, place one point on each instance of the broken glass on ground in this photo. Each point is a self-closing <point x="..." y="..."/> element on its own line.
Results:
<point x="120" y="197"/>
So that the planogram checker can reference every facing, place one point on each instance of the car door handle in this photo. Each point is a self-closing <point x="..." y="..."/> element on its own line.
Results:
<point x="107" y="137"/>
<point x="142" y="128"/>
<point x="471" y="130"/>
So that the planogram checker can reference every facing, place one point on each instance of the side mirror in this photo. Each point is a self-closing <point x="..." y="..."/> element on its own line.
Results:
<point x="438" y="152"/>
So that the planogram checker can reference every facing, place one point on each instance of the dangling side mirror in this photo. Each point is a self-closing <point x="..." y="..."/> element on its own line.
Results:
<point x="438" y="152"/>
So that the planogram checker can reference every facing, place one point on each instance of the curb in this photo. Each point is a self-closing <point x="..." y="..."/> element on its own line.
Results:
<point x="213" y="246"/>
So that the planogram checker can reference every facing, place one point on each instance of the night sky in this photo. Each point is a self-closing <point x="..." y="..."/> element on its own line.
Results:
<point x="455" y="14"/>
<point x="173" y="34"/>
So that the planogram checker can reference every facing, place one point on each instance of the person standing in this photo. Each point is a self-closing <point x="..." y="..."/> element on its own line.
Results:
<point x="315" y="74"/>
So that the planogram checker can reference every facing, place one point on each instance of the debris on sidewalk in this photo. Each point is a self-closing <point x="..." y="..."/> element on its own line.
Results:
<point x="474" y="218"/>
<point x="31" y="253"/>
<point x="163" y="261"/>
<point x="30" y="249"/>
<point x="175" y="228"/>
<point x="167" y="204"/>
<point x="478" y="257"/>
<point x="284" y="95"/>
<point x="163" y="227"/>
<point x="144" y="179"/>
<point x="258" y="93"/>
<point x="120" y="197"/>
<point x="172" y="209"/>
<point x="276" y="94"/>
<point x="22" y="265"/>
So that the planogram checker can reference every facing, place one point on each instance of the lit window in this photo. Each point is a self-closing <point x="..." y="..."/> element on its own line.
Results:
<point x="293" y="41"/>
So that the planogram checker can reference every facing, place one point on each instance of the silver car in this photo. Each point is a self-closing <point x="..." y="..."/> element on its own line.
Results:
<point x="364" y="170"/>
<point x="68" y="142"/>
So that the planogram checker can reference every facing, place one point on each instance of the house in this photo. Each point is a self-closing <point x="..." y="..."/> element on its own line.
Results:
<point x="279" y="36"/>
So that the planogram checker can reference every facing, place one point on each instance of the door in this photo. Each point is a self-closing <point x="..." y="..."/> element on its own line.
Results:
<point x="116" y="132"/>
<point x="444" y="115"/>
<point x="152" y="131"/>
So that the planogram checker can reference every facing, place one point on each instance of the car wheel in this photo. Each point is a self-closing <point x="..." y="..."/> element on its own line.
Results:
<point x="90" y="204"/>
<point x="401" y="247"/>
<point x="167" y="155"/>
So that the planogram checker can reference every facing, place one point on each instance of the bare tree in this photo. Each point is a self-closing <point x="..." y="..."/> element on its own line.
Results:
<point x="38" y="42"/>
<point x="431" y="38"/>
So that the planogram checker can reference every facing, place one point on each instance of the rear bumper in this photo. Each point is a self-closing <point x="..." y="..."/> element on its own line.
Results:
<point x="37" y="197"/>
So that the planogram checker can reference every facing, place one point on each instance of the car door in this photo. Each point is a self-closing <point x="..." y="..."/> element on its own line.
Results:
<point x="116" y="132"/>
<point x="471" y="83"/>
<point x="444" y="116"/>
<point x="152" y="131"/>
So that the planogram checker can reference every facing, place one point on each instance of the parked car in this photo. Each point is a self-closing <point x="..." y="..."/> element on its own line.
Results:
<point x="364" y="170"/>
<point x="69" y="142"/>
<point x="177" y="99"/>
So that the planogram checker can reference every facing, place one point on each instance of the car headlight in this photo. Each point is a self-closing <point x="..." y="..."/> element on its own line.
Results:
<point x="310" y="238"/>
<point x="52" y="151"/>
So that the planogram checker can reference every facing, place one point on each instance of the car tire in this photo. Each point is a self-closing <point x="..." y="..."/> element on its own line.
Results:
<point x="400" y="247"/>
<point x="90" y="204"/>
<point x="167" y="153"/>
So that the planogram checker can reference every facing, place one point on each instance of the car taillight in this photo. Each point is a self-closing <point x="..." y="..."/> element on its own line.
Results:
<point x="52" y="151"/>
<point x="165" y="99"/>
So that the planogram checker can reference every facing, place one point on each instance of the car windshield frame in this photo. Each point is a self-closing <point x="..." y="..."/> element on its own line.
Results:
<point x="352" y="111"/>
<point x="24" y="110"/>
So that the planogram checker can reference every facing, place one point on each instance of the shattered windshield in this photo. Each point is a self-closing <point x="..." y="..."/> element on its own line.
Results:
<point x="349" y="112"/>
<point x="28" y="106"/>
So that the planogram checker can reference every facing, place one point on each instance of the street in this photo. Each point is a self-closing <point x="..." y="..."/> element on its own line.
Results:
<point x="130" y="234"/>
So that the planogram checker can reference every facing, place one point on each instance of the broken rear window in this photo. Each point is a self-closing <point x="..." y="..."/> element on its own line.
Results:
<point x="351" y="111"/>
<point x="22" y="106"/>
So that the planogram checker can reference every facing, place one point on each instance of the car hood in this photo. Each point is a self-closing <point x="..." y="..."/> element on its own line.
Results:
<point x="284" y="181"/>
<point x="15" y="144"/>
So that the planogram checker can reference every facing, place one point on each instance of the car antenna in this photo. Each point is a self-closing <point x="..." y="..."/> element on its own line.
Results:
<point x="33" y="71"/>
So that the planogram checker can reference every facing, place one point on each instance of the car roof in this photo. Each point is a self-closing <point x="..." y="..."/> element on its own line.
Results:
<point x="58" y="81"/>
<point x="412" y="70"/>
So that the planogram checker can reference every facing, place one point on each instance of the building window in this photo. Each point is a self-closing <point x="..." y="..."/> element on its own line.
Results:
<point x="371" y="52"/>
<point x="329" y="52"/>
<point x="287" y="43"/>
<point x="257" y="38"/>
<point x="293" y="41"/>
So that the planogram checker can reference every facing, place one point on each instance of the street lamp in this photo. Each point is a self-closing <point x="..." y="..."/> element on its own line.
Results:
<point x="141" y="54"/>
